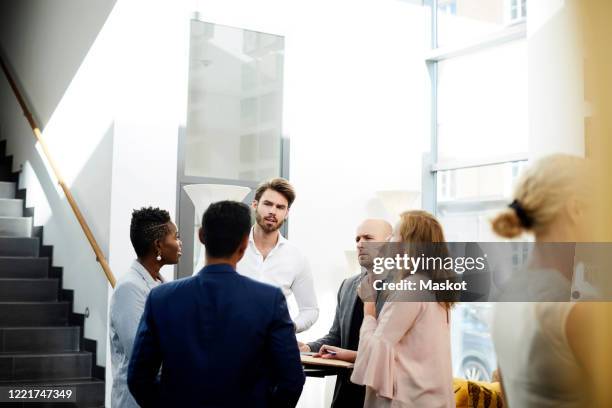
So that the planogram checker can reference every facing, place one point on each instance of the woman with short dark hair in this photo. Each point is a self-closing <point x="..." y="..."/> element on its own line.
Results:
<point x="156" y="242"/>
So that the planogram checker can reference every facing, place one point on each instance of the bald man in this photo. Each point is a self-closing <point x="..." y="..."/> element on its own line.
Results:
<point x="343" y="337"/>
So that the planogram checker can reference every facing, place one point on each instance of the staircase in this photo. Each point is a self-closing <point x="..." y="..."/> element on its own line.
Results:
<point x="41" y="340"/>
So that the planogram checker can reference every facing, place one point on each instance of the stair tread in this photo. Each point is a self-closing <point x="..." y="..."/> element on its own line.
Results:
<point x="24" y="267"/>
<point x="76" y="381"/>
<point x="9" y="257"/>
<point x="34" y="302"/>
<point x="38" y="327"/>
<point x="44" y="353"/>
<point x="19" y="246"/>
<point x="16" y="226"/>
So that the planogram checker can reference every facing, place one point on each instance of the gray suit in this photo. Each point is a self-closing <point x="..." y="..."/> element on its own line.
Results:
<point x="346" y="394"/>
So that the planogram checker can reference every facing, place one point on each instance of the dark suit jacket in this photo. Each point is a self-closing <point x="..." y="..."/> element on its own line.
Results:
<point x="221" y="339"/>
<point x="346" y="394"/>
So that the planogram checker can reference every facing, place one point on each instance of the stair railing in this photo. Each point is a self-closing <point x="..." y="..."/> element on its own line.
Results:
<point x="75" y="208"/>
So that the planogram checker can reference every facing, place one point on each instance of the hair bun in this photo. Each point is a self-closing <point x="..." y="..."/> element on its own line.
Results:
<point x="507" y="224"/>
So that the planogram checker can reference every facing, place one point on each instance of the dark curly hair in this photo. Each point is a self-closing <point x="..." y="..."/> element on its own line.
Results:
<point x="148" y="225"/>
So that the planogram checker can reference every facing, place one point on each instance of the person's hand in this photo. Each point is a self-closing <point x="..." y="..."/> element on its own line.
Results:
<point x="369" y="309"/>
<point x="365" y="290"/>
<point x="341" y="354"/>
<point x="304" y="347"/>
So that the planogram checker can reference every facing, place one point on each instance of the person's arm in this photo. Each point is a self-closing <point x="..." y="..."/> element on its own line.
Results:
<point x="375" y="364"/>
<point x="579" y="329"/>
<point x="145" y="361"/>
<point x="587" y="328"/>
<point x="339" y="353"/>
<point x="284" y="356"/>
<point x="332" y="338"/>
<point x="128" y="306"/>
<point x="303" y="290"/>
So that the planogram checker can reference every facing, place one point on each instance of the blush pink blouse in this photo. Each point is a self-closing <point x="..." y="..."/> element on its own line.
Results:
<point x="404" y="357"/>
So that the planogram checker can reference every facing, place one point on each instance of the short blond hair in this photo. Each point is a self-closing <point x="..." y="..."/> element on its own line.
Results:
<point x="541" y="193"/>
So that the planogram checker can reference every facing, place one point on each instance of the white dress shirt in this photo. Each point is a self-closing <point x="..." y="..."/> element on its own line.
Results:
<point x="126" y="308"/>
<point x="284" y="267"/>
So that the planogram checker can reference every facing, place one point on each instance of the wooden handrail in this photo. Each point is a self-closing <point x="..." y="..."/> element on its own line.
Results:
<point x="75" y="208"/>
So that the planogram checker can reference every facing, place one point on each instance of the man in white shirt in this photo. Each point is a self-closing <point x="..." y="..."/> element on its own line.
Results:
<point x="272" y="259"/>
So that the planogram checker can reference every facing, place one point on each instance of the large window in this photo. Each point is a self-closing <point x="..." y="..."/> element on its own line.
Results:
<point x="478" y="67"/>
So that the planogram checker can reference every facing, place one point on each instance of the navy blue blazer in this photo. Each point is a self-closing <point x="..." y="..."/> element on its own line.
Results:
<point x="221" y="340"/>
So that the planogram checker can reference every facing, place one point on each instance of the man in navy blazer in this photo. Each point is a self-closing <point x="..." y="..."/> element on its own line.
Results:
<point x="220" y="338"/>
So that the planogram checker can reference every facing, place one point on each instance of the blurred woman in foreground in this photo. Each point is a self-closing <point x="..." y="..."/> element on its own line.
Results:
<point x="543" y="347"/>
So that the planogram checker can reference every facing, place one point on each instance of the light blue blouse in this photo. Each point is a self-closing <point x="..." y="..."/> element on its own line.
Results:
<point x="126" y="308"/>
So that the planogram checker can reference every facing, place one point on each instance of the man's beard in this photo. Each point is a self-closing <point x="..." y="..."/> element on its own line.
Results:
<point x="267" y="228"/>
<point x="366" y="262"/>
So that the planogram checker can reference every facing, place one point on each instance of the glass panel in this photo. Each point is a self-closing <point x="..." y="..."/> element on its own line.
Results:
<point x="467" y="200"/>
<point x="201" y="196"/>
<point x="461" y="21"/>
<point x="478" y="184"/>
<point x="472" y="346"/>
<point x="482" y="103"/>
<point x="234" y="121"/>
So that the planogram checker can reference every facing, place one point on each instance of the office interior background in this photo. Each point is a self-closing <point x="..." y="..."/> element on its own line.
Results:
<point x="369" y="108"/>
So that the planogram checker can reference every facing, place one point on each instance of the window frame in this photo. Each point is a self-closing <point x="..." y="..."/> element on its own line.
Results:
<point x="516" y="30"/>
<point x="513" y="31"/>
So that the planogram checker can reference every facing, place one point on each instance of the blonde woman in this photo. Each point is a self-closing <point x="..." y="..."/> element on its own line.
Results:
<point x="542" y="348"/>
<point x="404" y="355"/>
